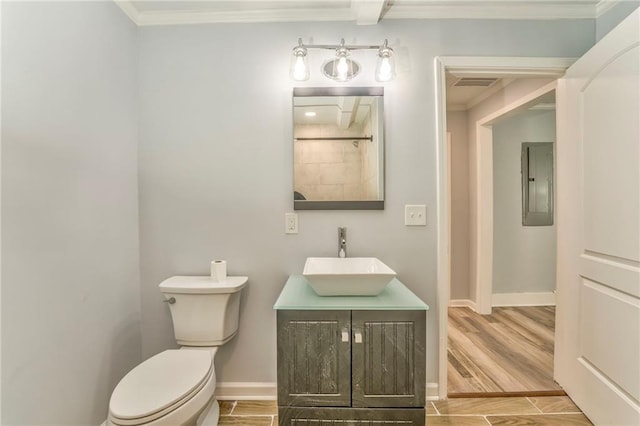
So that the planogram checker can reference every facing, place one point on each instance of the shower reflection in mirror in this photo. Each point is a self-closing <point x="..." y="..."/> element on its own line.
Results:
<point x="338" y="148"/>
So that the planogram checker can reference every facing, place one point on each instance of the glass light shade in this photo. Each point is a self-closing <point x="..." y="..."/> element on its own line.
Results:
<point x="299" y="70"/>
<point x="385" y="69"/>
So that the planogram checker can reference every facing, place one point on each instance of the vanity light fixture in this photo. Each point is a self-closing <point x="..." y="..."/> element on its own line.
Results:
<point x="342" y="68"/>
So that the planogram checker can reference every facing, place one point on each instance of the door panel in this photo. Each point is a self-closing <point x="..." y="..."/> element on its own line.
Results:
<point x="388" y="358"/>
<point x="598" y="187"/>
<point x="622" y="277"/>
<point x="314" y="358"/>
<point x="602" y="311"/>
<point x="611" y="152"/>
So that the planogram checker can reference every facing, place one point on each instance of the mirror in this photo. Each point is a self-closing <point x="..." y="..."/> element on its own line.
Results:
<point x="537" y="183"/>
<point x="338" y="147"/>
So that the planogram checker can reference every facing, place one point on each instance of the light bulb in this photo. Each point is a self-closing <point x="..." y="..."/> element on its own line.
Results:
<point x="385" y="69"/>
<point x="299" y="69"/>
<point x="384" y="74"/>
<point x="342" y="68"/>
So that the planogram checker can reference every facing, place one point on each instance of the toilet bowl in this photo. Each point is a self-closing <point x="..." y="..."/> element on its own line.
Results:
<point x="170" y="388"/>
<point x="177" y="386"/>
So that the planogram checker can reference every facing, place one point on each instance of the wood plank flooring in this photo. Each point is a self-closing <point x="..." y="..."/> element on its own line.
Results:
<point x="509" y="352"/>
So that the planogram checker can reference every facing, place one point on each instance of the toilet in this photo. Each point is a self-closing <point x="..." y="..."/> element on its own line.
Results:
<point x="177" y="386"/>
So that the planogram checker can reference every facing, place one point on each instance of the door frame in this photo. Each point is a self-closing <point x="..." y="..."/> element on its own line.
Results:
<point x="508" y="67"/>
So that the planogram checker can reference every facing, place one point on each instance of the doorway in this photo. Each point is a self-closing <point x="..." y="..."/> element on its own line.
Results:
<point x="481" y="199"/>
<point x="510" y="350"/>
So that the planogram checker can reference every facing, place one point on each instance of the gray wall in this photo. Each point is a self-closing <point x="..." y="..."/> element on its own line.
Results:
<point x="216" y="161"/>
<point x="459" y="158"/>
<point x="614" y="16"/>
<point x="524" y="256"/>
<point x="70" y="276"/>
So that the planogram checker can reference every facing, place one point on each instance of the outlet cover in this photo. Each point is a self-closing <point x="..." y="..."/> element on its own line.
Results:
<point x="290" y="223"/>
<point x="415" y="215"/>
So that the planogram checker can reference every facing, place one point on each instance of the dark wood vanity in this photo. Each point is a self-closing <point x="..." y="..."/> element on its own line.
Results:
<point x="355" y="359"/>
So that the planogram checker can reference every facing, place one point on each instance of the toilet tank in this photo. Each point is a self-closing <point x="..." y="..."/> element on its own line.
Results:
<point x="205" y="313"/>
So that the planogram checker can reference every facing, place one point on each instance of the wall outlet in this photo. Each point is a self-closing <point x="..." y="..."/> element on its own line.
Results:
<point x="290" y="223"/>
<point x="415" y="215"/>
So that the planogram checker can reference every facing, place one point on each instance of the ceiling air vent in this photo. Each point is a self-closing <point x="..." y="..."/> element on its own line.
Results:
<point x="475" y="82"/>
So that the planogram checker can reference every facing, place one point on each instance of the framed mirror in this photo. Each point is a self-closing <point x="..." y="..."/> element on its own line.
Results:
<point x="338" y="148"/>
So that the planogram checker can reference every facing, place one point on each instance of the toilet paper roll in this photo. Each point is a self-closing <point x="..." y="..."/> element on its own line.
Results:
<point x="218" y="271"/>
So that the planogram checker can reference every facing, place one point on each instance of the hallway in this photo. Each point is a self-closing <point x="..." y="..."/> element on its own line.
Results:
<point x="508" y="352"/>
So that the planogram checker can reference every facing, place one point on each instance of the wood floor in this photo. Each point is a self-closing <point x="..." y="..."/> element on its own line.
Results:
<point x="509" y="352"/>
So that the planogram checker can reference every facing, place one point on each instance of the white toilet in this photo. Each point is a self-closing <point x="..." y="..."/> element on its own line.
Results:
<point x="177" y="386"/>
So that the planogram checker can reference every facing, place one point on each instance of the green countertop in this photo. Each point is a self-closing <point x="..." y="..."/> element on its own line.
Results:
<point x="297" y="294"/>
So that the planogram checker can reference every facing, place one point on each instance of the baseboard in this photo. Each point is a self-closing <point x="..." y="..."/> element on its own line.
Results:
<point x="462" y="303"/>
<point x="507" y="394"/>
<point x="246" y="391"/>
<point x="431" y="393"/>
<point x="523" y="299"/>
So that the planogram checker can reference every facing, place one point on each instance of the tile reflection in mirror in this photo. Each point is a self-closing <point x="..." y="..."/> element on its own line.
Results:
<point x="338" y="148"/>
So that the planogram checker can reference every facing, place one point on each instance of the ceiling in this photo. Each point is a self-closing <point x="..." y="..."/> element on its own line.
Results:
<point x="341" y="111"/>
<point x="466" y="91"/>
<point x="362" y="12"/>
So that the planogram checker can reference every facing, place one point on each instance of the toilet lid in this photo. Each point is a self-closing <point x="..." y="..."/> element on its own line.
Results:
<point x="160" y="382"/>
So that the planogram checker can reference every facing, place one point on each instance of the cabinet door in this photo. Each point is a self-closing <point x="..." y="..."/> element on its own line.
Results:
<point x="388" y="358"/>
<point x="314" y="358"/>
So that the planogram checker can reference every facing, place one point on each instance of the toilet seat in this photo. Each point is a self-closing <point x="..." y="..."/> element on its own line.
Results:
<point x="160" y="385"/>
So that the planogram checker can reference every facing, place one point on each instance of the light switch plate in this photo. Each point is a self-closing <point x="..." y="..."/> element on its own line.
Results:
<point x="415" y="215"/>
<point x="290" y="223"/>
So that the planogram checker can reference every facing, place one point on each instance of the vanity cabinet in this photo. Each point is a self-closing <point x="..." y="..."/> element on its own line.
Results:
<point x="343" y="362"/>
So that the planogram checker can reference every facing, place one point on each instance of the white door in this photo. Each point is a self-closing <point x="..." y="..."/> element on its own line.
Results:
<point x="597" y="359"/>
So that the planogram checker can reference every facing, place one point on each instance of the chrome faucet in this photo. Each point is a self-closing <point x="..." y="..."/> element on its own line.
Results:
<point x="342" y="241"/>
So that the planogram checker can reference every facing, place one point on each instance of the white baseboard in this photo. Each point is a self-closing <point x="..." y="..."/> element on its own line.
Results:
<point x="462" y="303"/>
<point x="246" y="391"/>
<point x="524" y="299"/>
<point x="432" y="392"/>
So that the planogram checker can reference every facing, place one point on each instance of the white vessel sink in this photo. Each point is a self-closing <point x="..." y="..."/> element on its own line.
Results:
<point x="351" y="276"/>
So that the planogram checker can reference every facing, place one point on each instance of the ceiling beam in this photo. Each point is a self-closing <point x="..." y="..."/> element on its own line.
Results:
<point x="347" y="108"/>
<point x="368" y="12"/>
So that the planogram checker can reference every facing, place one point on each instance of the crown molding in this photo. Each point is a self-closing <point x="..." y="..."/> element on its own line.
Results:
<point x="185" y="17"/>
<point x="508" y="10"/>
<point x="129" y="9"/>
<point x="369" y="13"/>
<point x="603" y="6"/>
